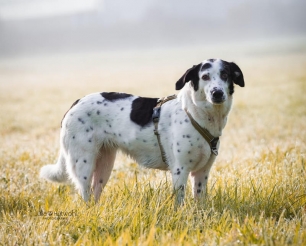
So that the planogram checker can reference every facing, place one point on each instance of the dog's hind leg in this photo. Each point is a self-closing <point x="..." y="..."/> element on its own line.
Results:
<point x="80" y="166"/>
<point x="55" y="172"/>
<point x="103" y="169"/>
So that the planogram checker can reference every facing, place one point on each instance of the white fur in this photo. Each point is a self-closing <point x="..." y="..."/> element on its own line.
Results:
<point x="89" y="140"/>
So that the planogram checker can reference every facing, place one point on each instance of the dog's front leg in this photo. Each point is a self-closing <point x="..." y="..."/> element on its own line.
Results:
<point x="179" y="179"/>
<point x="199" y="180"/>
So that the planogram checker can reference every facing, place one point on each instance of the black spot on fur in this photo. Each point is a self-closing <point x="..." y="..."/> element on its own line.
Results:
<point x="189" y="152"/>
<point x="85" y="177"/>
<point x="206" y="66"/>
<point x="122" y="109"/>
<point x="98" y="112"/>
<point x="110" y="126"/>
<point x="144" y="141"/>
<point x="177" y="143"/>
<point x="101" y="181"/>
<point x="211" y="60"/>
<point x="105" y="104"/>
<point x="113" y="96"/>
<point x="76" y="160"/>
<point x="87" y="130"/>
<point x="88" y="114"/>
<point x="73" y="137"/>
<point x="89" y="140"/>
<point x="200" y="184"/>
<point x="69" y="110"/>
<point x="199" y="191"/>
<point x="142" y="110"/>
<point x="186" y="120"/>
<point x="206" y="177"/>
<point x="85" y="161"/>
<point x="178" y="172"/>
<point x="80" y="120"/>
<point x="99" y="102"/>
<point x="91" y="128"/>
<point x="231" y="88"/>
<point x="190" y="161"/>
<point x="178" y="150"/>
<point x="187" y="136"/>
<point x="119" y="135"/>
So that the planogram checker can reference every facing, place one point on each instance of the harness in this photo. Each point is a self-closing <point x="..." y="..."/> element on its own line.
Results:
<point x="211" y="140"/>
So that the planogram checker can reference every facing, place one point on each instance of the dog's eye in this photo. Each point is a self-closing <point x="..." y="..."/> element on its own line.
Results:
<point x="224" y="76"/>
<point x="205" y="77"/>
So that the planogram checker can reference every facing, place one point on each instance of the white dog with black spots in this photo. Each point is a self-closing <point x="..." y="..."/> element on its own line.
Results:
<point x="99" y="124"/>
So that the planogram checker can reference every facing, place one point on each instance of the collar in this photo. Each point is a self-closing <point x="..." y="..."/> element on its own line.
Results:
<point x="211" y="140"/>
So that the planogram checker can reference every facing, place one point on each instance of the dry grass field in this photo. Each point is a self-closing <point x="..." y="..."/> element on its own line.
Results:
<point x="257" y="187"/>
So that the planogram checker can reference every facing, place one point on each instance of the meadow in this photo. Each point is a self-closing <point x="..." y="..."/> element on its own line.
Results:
<point x="257" y="188"/>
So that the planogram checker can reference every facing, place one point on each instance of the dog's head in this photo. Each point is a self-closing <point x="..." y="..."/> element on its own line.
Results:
<point x="214" y="79"/>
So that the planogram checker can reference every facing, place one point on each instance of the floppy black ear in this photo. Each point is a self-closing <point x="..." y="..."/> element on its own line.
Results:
<point x="236" y="74"/>
<point x="191" y="74"/>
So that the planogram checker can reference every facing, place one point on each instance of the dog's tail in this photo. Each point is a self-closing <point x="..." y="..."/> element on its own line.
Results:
<point x="55" y="172"/>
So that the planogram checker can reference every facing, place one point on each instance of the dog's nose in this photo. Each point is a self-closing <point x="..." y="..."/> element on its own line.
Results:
<point x="217" y="94"/>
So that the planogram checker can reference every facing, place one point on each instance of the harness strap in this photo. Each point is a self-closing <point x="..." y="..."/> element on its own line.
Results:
<point x="155" y="117"/>
<point x="211" y="140"/>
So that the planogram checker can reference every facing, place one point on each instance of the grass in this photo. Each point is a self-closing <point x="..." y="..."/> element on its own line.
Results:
<point x="256" y="191"/>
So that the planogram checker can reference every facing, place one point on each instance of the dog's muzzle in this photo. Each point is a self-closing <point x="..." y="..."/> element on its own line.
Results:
<point x="217" y="96"/>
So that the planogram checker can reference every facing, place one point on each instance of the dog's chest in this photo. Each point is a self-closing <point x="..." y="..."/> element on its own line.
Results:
<point x="182" y="142"/>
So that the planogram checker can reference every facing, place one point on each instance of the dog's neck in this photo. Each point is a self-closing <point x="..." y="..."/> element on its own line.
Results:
<point x="210" y="116"/>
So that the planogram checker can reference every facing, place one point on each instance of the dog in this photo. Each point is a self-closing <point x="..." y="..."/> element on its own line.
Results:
<point x="99" y="124"/>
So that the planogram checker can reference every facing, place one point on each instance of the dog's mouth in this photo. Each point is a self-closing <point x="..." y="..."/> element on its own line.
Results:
<point x="218" y="101"/>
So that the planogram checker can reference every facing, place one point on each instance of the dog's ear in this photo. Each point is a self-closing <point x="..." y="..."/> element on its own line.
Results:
<point x="236" y="74"/>
<point x="191" y="74"/>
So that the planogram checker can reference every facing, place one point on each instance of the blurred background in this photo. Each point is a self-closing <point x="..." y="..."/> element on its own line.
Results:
<point x="93" y="41"/>
<point x="31" y="27"/>
<point x="47" y="26"/>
